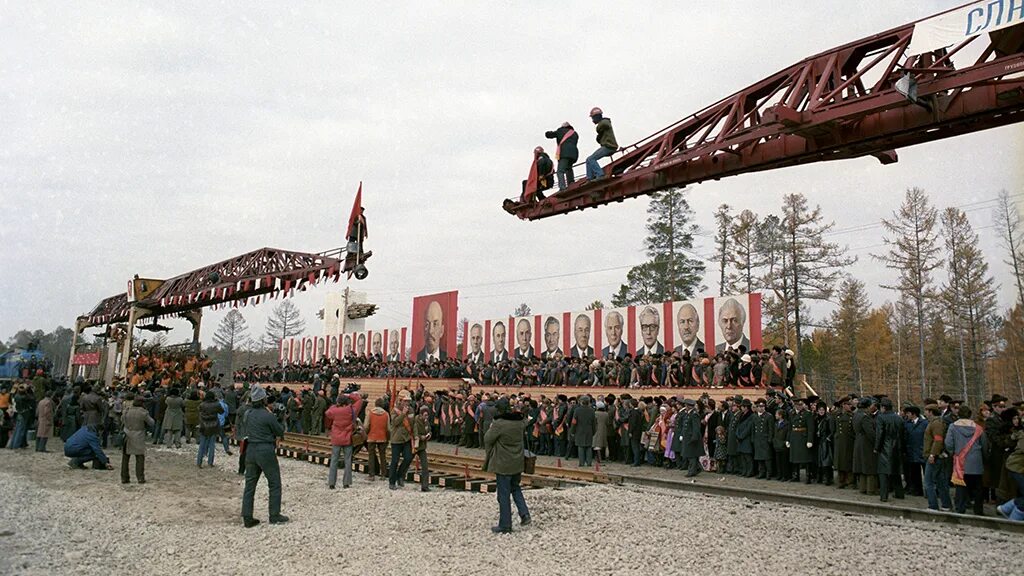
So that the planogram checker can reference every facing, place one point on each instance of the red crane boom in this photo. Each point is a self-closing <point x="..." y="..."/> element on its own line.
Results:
<point x="822" y="108"/>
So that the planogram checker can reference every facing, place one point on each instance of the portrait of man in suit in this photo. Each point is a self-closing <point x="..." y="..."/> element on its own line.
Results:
<point x="347" y="347"/>
<point x="650" y="330"/>
<point x="688" y="327"/>
<point x="476" y="342"/>
<point x="499" y="336"/>
<point x="433" y="334"/>
<point x="393" y="353"/>
<point x="552" y="334"/>
<point x="361" y="344"/>
<point x="613" y="326"/>
<point x="524" y="339"/>
<point x="731" y="320"/>
<point x="581" y="333"/>
<point x="377" y="344"/>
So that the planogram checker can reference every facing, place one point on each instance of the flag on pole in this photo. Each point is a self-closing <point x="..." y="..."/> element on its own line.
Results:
<point x="354" y="217"/>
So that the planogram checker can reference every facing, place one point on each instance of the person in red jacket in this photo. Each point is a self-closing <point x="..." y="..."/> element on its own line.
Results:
<point x="342" y="419"/>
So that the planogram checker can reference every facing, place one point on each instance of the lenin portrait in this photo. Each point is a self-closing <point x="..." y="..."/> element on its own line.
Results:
<point x="732" y="320"/>
<point x="433" y="334"/>
<point x="688" y="328"/>
<point x="499" y="341"/>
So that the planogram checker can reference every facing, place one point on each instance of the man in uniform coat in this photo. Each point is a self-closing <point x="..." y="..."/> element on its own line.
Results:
<point x="865" y="461"/>
<point x="583" y="428"/>
<point x="690" y="437"/>
<point x="263" y="430"/>
<point x="801" y="434"/>
<point x="762" y="440"/>
<point x="843" y="441"/>
<point x="745" y="446"/>
<point x="889" y="442"/>
<point x="135" y="420"/>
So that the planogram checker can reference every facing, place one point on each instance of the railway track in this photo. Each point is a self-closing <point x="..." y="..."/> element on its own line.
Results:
<point x="464" y="472"/>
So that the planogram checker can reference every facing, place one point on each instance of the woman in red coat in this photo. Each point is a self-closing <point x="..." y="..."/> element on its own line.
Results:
<point x="341" y="420"/>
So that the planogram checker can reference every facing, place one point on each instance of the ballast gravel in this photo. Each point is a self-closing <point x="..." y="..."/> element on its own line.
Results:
<point x="185" y="520"/>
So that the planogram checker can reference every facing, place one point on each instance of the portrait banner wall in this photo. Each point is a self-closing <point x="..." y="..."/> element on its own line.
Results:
<point x="499" y="336"/>
<point x="474" y="346"/>
<point x="732" y="322"/>
<point x="524" y="343"/>
<point x="333" y="347"/>
<point x="434" y="321"/>
<point x="686" y="327"/>
<point x="649" y="327"/>
<point x="307" y="355"/>
<point x="393" y="344"/>
<point x="347" y="350"/>
<point x="551" y="341"/>
<point x="615" y="332"/>
<point x="581" y="338"/>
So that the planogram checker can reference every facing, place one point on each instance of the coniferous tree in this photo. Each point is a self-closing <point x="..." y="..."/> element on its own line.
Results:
<point x="231" y="334"/>
<point x="914" y="253"/>
<point x="669" y="273"/>
<point x="285" y="322"/>
<point x="970" y="295"/>
<point x="813" y="264"/>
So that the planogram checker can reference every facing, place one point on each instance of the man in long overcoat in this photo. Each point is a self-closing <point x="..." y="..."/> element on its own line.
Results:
<point x="843" y="441"/>
<point x="865" y="461"/>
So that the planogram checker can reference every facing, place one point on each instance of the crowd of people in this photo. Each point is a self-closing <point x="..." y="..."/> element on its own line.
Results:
<point x="729" y="368"/>
<point x="857" y="443"/>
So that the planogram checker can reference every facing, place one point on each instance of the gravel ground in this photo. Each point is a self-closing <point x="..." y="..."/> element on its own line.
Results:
<point x="54" y="520"/>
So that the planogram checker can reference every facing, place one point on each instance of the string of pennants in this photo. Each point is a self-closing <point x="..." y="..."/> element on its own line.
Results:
<point x="281" y="286"/>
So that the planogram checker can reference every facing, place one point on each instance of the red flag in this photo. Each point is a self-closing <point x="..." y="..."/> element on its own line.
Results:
<point x="532" y="181"/>
<point x="353" y="219"/>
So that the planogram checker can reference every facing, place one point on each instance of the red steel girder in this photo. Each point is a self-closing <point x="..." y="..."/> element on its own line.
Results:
<point x="252" y="274"/>
<point x="819" y="109"/>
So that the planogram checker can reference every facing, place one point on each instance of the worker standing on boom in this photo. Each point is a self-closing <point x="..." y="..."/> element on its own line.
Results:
<point x="606" y="141"/>
<point x="566" y="152"/>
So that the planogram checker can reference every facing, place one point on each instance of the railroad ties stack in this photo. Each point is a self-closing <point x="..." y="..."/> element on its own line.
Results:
<point x="446" y="470"/>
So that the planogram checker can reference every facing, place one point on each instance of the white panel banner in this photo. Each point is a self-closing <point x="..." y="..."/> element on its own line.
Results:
<point x="957" y="25"/>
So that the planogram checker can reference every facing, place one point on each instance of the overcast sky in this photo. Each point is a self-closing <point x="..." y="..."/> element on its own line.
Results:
<point x="156" y="139"/>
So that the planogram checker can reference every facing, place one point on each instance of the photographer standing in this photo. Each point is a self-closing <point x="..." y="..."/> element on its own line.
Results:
<point x="504" y="445"/>
<point x="263" y="430"/>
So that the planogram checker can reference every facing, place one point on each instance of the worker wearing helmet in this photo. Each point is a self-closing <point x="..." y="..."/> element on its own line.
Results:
<point x="566" y="153"/>
<point x="606" y="141"/>
<point x="540" y="179"/>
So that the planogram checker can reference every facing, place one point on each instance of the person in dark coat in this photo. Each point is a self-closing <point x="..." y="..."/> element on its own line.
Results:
<point x="801" y="440"/>
<point x="732" y="445"/>
<point x="262" y="430"/>
<point x="209" y="427"/>
<point x="780" y="442"/>
<point x="842" y="443"/>
<point x="504" y="458"/>
<point x="566" y="152"/>
<point x="636" y="431"/>
<point x="69" y="417"/>
<point x="913" y="451"/>
<point x="762" y="440"/>
<point x="583" y="426"/>
<point x="688" y="431"/>
<point x="865" y="461"/>
<point x="823" y="424"/>
<point x="889" y="448"/>
<point x="745" y="444"/>
<point x="135" y="421"/>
